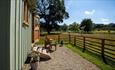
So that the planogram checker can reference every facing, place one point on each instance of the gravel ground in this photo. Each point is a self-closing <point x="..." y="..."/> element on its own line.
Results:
<point x="64" y="59"/>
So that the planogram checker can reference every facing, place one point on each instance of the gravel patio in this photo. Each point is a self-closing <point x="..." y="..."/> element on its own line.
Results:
<point x="65" y="59"/>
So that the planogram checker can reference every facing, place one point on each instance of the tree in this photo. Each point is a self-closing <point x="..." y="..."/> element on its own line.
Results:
<point x="99" y="26"/>
<point x="111" y="26"/>
<point x="86" y="25"/>
<point x="64" y="27"/>
<point x="52" y="11"/>
<point x="74" y="27"/>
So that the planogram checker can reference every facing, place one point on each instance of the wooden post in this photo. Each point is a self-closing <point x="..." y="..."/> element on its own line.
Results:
<point x="75" y="40"/>
<point x="102" y="50"/>
<point x="59" y="38"/>
<point x="69" y="37"/>
<point x="83" y="44"/>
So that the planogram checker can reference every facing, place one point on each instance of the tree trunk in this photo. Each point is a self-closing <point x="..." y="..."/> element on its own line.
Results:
<point x="48" y="32"/>
<point x="48" y="27"/>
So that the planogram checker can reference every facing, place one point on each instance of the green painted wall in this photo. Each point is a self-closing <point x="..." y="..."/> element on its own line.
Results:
<point x="20" y="36"/>
<point x="15" y="40"/>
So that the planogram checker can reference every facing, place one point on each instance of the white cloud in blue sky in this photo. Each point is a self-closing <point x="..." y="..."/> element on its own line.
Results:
<point x="105" y="20"/>
<point x="100" y="11"/>
<point x="89" y="13"/>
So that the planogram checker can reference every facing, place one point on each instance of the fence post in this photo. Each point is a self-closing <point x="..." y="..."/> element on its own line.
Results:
<point x="75" y="40"/>
<point x="59" y="38"/>
<point x="69" y="37"/>
<point x="102" y="50"/>
<point x="83" y="44"/>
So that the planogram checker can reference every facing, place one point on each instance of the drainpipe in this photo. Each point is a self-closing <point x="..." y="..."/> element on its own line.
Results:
<point x="33" y="27"/>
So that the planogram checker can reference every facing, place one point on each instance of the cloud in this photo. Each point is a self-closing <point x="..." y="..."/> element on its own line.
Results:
<point x="89" y="13"/>
<point x="105" y="20"/>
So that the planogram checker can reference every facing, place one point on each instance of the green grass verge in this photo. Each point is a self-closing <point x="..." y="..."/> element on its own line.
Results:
<point x="41" y="41"/>
<point x="51" y="33"/>
<point x="92" y="58"/>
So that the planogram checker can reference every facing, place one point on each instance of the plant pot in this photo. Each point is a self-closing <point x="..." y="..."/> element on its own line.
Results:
<point x="33" y="65"/>
<point x="28" y="60"/>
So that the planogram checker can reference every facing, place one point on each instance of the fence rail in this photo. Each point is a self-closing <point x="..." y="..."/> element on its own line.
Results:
<point x="98" y="45"/>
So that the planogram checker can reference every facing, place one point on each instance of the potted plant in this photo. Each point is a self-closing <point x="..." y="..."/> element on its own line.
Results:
<point x="34" y="60"/>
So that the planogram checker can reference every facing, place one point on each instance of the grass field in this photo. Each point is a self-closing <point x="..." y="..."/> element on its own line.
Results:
<point x="104" y="32"/>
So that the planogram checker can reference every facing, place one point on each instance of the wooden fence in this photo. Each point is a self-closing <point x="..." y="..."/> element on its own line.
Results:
<point x="103" y="47"/>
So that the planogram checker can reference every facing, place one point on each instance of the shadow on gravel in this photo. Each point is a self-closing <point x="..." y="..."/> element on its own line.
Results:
<point x="51" y="51"/>
<point x="42" y="59"/>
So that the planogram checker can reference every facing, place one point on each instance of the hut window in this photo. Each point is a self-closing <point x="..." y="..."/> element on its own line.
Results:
<point x="25" y="12"/>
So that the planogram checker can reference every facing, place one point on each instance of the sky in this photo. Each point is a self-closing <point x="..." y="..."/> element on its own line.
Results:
<point x="100" y="11"/>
